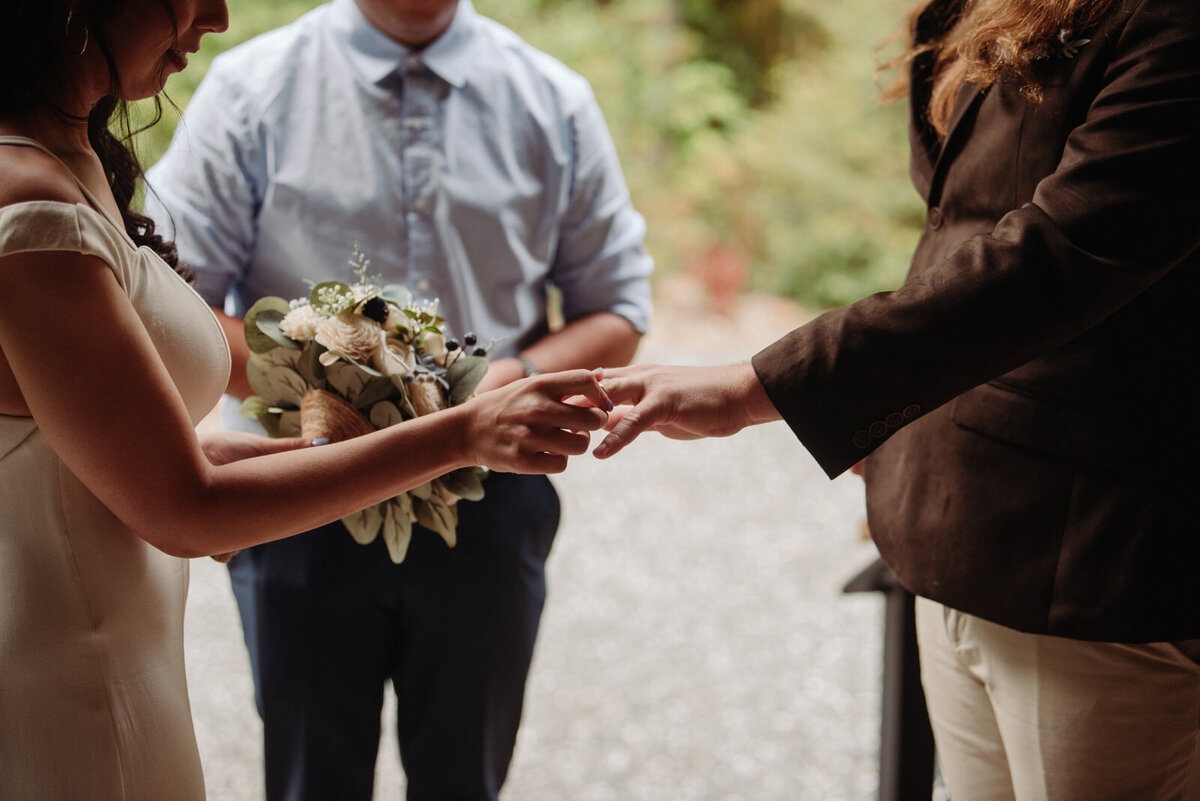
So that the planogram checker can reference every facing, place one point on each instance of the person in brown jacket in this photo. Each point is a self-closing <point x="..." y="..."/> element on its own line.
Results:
<point x="1032" y="472"/>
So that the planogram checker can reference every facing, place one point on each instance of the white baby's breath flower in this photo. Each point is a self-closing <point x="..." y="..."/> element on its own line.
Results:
<point x="394" y="357"/>
<point x="301" y="323"/>
<point x="352" y="335"/>
<point x="426" y="395"/>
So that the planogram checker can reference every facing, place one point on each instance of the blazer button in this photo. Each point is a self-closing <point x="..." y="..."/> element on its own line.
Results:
<point x="912" y="411"/>
<point x="894" y="420"/>
<point x="861" y="439"/>
<point x="877" y="429"/>
<point x="934" y="218"/>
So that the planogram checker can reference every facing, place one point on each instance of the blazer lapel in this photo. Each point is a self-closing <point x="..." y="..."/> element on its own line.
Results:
<point x="922" y="138"/>
<point x="966" y="105"/>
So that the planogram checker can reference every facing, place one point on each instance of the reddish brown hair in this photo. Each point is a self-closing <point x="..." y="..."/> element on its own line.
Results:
<point x="979" y="42"/>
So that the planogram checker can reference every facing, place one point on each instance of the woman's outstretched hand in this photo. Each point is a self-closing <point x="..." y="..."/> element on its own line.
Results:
<point x="682" y="403"/>
<point x="528" y="427"/>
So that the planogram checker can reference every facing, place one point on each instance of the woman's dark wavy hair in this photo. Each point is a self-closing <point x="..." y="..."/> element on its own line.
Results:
<point x="35" y="61"/>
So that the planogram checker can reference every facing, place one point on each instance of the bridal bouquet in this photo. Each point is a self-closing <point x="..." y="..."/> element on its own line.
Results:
<point x="353" y="358"/>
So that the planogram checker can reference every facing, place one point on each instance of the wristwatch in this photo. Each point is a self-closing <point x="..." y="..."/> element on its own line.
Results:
<point x="529" y="367"/>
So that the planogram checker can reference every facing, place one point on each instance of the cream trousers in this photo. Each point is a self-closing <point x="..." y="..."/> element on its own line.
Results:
<point x="1028" y="717"/>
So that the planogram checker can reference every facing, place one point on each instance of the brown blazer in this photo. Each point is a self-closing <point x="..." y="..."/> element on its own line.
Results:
<point x="1033" y="449"/>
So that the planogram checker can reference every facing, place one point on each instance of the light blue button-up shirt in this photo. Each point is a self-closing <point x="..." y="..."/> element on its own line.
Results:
<point x="474" y="171"/>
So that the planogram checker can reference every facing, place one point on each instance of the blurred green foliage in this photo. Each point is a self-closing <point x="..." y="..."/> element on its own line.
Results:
<point x="751" y="131"/>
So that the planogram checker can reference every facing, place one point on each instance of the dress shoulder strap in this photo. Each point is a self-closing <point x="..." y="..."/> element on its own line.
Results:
<point x="25" y="141"/>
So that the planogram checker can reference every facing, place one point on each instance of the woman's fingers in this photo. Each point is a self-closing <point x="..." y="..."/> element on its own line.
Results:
<point x="554" y="440"/>
<point x="544" y="463"/>
<point x="564" y="385"/>
<point x="572" y="418"/>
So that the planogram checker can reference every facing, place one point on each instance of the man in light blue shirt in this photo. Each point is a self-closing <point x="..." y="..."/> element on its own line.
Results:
<point x="473" y="169"/>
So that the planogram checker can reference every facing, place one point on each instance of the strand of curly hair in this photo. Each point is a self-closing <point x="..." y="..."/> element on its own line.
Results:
<point x="980" y="42"/>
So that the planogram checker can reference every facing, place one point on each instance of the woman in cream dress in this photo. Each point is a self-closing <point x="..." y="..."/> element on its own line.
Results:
<point x="108" y="359"/>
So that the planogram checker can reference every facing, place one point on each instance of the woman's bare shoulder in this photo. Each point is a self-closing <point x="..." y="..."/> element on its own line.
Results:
<point x="28" y="175"/>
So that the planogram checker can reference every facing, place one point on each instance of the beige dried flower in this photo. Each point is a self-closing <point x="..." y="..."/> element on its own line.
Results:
<point x="301" y="323"/>
<point x="352" y="335"/>
<point x="394" y="358"/>
<point x="435" y="345"/>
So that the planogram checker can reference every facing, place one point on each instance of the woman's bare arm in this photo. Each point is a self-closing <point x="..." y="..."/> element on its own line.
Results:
<point x="103" y="399"/>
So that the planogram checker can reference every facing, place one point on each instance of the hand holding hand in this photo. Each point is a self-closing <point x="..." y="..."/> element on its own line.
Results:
<point x="682" y="403"/>
<point x="527" y="427"/>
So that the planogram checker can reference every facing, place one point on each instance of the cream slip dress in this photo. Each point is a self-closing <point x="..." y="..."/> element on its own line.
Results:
<point x="93" y="697"/>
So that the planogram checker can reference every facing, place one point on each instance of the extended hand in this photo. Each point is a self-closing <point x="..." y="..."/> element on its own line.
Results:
<point x="527" y="427"/>
<point x="682" y="403"/>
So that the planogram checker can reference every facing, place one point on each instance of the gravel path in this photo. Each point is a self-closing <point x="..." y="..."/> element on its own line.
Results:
<point x="695" y="645"/>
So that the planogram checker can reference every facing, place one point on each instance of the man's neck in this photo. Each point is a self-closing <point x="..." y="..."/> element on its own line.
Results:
<point x="413" y="23"/>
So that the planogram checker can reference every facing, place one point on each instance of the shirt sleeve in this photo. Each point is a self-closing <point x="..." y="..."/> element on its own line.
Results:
<point x="600" y="263"/>
<point x="1118" y="213"/>
<point x="206" y="189"/>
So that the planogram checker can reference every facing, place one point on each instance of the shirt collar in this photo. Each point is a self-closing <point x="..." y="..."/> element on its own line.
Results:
<point x="376" y="56"/>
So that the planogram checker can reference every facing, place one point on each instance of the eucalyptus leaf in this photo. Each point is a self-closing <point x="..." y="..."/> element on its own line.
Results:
<point x="254" y="406"/>
<point x="270" y="422"/>
<point x="256" y="375"/>
<point x="279" y="357"/>
<point x="464" y="376"/>
<point x="331" y="297"/>
<point x="255" y="338"/>
<point x="346" y="379"/>
<point x="397" y="528"/>
<point x="309" y="365"/>
<point x="384" y="414"/>
<point x="267" y="322"/>
<point x="289" y="424"/>
<point x="466" y="483"/>
<point x="435" y="515"/>
<point x="375" y="390"/>
<point x="364" y="524"/>
<point x="396" y="294"/>
<point x="279" y="386"/>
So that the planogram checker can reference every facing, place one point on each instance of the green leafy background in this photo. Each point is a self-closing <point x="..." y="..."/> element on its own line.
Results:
<point x="751" y="131"/>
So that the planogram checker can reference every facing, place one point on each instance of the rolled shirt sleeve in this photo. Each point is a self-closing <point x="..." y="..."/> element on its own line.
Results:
<point x="600" y="263"/>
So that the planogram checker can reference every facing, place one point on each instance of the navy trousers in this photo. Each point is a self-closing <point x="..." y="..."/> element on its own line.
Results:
<point x="328" y="622"/>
